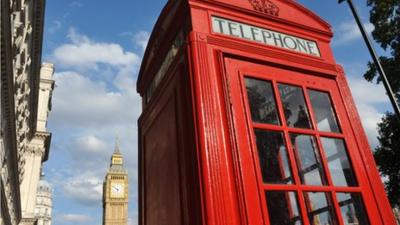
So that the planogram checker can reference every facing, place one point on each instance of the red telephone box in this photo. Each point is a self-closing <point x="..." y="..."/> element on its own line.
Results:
<point x="247" y="119"/>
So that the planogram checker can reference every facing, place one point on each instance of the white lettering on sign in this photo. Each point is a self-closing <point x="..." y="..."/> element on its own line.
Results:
<point x="261" y="35"/>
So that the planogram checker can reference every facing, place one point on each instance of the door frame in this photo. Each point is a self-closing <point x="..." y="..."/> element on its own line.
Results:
<point x="235" y="68"/>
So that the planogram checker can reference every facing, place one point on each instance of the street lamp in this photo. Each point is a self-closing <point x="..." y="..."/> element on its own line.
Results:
<point x="375" y="58"/>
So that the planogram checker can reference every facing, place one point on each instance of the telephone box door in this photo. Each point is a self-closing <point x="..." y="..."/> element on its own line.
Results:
<point x="298" y="159"/>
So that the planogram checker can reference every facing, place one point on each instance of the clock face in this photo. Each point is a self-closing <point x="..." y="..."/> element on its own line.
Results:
<point x="117" y="190"/>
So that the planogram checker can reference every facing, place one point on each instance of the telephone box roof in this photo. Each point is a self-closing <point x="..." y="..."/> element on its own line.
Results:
<point x="291" y="14"/>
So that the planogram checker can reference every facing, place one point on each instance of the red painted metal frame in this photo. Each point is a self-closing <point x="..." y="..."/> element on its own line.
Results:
<point x="322" y="69"/>
<point x="230" y="191"/>
<point x="306" y="83"/>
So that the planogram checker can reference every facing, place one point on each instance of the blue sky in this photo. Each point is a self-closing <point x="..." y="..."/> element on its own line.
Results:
<point x="96" y="46"/>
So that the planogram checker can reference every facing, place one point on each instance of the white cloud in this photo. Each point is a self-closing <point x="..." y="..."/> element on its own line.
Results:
<point x="73" y="218"/>
<point x="368" y="97"/>
<point x="366" y="92"/>
<point x="80" y="102"/>
<point x="76" y="4"/>
<point x="85" y="53"/>
<point x="89" y="146"/>
<point x="141" y="38"/>
<point x="348" y="31"/>
<point x="55" y="26"/>
<point x="133" y="220"/>
<point x="84" y="187"/>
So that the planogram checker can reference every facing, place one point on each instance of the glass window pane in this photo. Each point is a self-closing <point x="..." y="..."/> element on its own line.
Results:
<point x="273" y="157"/>
<point x="283" y="208"/>
<point x="308" y="159"/>
<point x="294" y="106"/>
<point x="338" y="162"/>
<point x="320" y="209"/>
<point x="352" y="209"/>
<point x="323" y="110"/>
<point x="262" y="101"/>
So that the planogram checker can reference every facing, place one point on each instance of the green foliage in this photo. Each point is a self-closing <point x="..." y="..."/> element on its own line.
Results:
<point x="385" y="16"/>
<point x="392" y="70"/>
<point x="388" y="157"/>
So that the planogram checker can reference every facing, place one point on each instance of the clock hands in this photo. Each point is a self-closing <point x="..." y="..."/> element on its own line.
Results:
<point x="115" y="188"/>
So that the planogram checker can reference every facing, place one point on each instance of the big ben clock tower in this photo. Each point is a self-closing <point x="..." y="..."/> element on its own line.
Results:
<point x="115" y="191"/>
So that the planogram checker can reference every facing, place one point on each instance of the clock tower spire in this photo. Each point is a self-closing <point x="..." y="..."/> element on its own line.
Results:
<point x="115" y="191"/>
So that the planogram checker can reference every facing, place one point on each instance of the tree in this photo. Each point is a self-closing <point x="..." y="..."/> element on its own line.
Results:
<point x="385" y="16"/>
<point x="388" y="157"/>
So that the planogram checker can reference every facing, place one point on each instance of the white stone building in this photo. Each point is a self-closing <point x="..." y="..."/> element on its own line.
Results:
<point x="43" y="202"/>
<point x="25" y="93"/>
<point x="37" y="148"/>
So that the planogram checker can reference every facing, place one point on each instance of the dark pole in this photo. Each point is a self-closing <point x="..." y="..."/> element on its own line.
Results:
<point x="375" y="58"/>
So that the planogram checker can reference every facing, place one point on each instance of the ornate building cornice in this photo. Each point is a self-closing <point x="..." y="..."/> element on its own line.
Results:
<point x="26" y="32"/>
<point x="43" y="148"/>
<point x="21" y="47"/>
<point x="10" y="193"/>
<point x="36" y="55"/>
<point x="28" y="221"/>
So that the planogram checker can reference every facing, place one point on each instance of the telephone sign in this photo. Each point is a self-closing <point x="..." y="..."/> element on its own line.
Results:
<point x="265" y="36"/>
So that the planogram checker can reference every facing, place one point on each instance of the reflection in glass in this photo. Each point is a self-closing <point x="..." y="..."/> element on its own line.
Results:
<point x="352" y="209"/>
<point x="273" y="156"/>
<point x="308" y="159"/>
<point x="323" y="110"/>
<point x="320" y="208"/>
<point x="338" y="162"/>
<point x="262" y="101"/>
<point x="283" y="208"/>
<point x="295" y="109"/>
